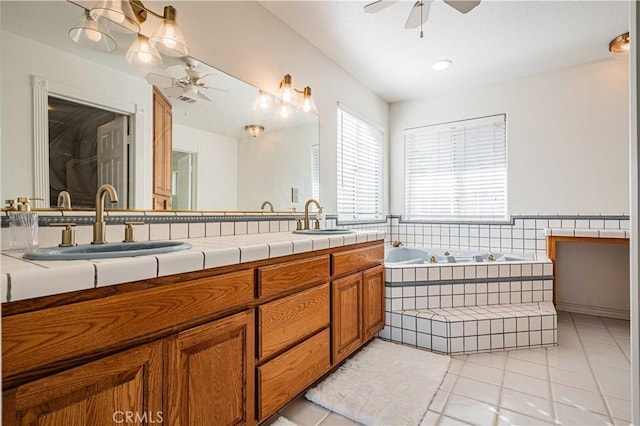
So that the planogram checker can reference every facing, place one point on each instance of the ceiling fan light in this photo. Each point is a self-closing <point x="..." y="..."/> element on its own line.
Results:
<point x="143" y="53"/>
<point x="168" y="38"/>
<point x="119" y="12"/>
<point x="620" y="44"/>
<point x="92" y="34"/>
<point x="441" y="65"/>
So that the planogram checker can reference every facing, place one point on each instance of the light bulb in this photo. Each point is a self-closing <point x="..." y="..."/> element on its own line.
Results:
<point x="169" y="38"/>
<point x="93" y="35"/>
<point x="145" y="57"/>
<point x="115" y="16"/>
<point x="286" y="94"/>
<point x="264" y="101"/>
<point x="284" y="111"/>
<point x="306" y="105"/>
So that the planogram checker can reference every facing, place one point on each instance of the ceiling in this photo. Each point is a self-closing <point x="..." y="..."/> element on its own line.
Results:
<point x="496" y="41"/>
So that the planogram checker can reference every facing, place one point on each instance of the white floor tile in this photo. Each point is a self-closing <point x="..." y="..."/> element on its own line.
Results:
<point x="475" y="389"/>
<point x="538" y="356"/>
<point x="304" y="412"/>
<point x="527" y="368"/>
<point x="493" y="359"/>
<point x="582" y="380"/>
<point x="615" y="389"/>
<point x="469" y="410"/>
<point x="334" y="419"/>
<point x="619" y="408"/>
<point x="526" y="404"/>
<point x="509" y="418"/>
<point x="527" y="384"/>
<point x="482" y="373"/>
<point x="430" y="418"/>
<point x="578" y="398"/>
<point x="567" y="415"/>
<point x="448" y="421"/>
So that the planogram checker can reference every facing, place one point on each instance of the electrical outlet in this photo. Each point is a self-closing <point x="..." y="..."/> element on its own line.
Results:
<point x="294" y="195"/>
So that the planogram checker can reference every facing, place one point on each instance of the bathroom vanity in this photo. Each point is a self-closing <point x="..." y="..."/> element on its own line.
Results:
<point x="225" y="345"/>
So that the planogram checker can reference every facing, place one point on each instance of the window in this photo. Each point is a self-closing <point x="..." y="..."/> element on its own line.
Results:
<point x="457" y="171"/>
<point x="359" y="168"/>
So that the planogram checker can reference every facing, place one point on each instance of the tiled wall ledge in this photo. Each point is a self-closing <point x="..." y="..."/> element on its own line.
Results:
<point x="588" y="233"/>
<point x="25" y="279"/>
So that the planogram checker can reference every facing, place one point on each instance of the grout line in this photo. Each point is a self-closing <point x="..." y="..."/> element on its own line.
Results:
<point x="552" y="400"/>
<point x="599" y="389"/>
<point x="497" y="416"/>
<point x="616" y="341"/>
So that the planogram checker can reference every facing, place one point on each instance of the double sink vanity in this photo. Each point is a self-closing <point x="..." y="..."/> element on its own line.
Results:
<point x="223" y="339"/>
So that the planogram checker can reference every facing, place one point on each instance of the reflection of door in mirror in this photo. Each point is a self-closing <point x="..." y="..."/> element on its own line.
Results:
<point x="183" y="196"/>
<point x="87" y="147"/>
<point x="162" y="149"/>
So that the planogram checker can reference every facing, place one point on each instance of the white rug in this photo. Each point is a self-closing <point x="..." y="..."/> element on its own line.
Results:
<point x="384" y="384"/>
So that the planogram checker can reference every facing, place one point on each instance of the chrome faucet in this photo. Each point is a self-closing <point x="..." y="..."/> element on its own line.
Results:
<point x="306" y="211"/>
<point x="99" y="227"/>
<point x="64" y="200"/>
<point x="265" y="204"/>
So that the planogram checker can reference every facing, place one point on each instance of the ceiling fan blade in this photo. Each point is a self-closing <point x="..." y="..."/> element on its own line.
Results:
<point x="176" y="71"/>
<point x="206" y="79"/>
<point x="419" y="14"/>
<point x="159" y="79"/>
<point x="379" y="5"/>
<point x="203" y="96"/>
<point x="463" y="6"/>
<point x="213" y="88"/>
<point x="173" y="92"/>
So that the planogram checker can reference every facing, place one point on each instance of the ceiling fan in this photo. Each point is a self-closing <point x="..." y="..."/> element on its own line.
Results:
<point x="184" y="83"/>
<point x="420" y="10"/>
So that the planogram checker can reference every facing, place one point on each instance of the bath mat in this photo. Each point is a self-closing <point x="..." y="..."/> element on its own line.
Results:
<point x="283" y="421"/>
<point x="384" y="384"/>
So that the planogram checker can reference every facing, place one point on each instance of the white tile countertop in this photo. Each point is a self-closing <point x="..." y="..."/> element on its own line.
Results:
<point x="587" y="233"/>
<point x="25" y="279"/>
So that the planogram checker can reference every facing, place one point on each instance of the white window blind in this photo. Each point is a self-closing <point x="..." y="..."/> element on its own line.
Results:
<point x="457" y="171"/>
<point x="359" y="169"/>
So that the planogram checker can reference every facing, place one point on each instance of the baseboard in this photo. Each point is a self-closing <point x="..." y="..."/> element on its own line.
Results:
<point x="594" y="310"/>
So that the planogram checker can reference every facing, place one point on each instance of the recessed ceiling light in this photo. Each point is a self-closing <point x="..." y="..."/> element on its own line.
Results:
<point x="441" y="65"/>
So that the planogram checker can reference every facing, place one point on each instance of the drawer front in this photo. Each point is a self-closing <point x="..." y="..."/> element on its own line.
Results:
<point x="356" y="259"/>
<point x="284" y="377"/>
<point x="289" y="275"/>
<point x="41" y="338"/>
<point x="286" y="321"/>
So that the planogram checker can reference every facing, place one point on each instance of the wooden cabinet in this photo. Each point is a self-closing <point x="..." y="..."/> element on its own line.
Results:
<point x="373" y="298"/>
<point x="346" y="324"/>
<point x="103" y="392"/>
<point x="227" y="346"/>
<point x="209" y="374"/>
<point x="162" y="150"/>
<point x="357" y="311"/>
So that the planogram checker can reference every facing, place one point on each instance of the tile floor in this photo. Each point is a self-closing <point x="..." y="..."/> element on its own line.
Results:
<point x="585" y="380"/>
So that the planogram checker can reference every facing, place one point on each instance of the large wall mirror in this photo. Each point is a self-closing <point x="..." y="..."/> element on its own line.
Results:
<point x="74" y="118"/>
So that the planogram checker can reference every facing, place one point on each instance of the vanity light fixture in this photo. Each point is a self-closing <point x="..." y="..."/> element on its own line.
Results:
<point x="286" y="95"/>
<point x="143" y="53"/>
<point x="285" y="109"/>
<point x="620" y="44"/>
<point x="263" y="99"/>
<point x="167" y="38"/>
<point x="254" y="130"/>
<point x="92" y="34"/>
<point x="441" y="65"/>
<point x="119" y="12"/>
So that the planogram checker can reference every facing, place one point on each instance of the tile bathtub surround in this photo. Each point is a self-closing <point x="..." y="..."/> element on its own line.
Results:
<point x="584" y="380"/>
<point x="25" y="279"/>
<point x="521" y="233"/>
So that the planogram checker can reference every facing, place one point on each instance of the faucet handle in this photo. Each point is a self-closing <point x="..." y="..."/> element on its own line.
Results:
<point x="298" y="224"/>
<point x="68" y="234"/>
<point x="11" y="204"/>
<point x="128" y="232"/>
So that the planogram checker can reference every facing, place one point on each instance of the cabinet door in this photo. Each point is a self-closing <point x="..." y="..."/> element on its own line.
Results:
<point x="210" y="373"/>
<point x="162" y="150"/>
<point x="372" y="301"/>
<point x="346" y="325"/>
<point x="124" y="386"/>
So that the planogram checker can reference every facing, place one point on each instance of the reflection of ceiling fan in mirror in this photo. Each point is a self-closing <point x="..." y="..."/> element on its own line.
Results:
<point x="184" y="83"/>
<point x="420" y="11"/>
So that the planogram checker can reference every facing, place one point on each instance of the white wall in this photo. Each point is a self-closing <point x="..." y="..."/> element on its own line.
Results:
<point x="216" y="166"/>
<point x="244" y="39"/>
<point x="567" y="137"/>
<point x="289" y="149"/>
<point x="21" y="58"/>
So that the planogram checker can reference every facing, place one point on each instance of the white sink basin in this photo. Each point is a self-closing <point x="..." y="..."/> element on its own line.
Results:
<point x="323" y="231"/>
<point x="102" y="251"/>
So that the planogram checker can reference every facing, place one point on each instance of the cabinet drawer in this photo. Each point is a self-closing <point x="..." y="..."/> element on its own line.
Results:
<point x="40" y="338"/>
<point x="289" y="275"/>
<point x="356" y="259"/>
<point x="284" y="377"/>
<point x="288" y="320"/>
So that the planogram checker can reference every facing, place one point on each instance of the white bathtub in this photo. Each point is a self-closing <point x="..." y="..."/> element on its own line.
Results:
<point x="421" y="255"/>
